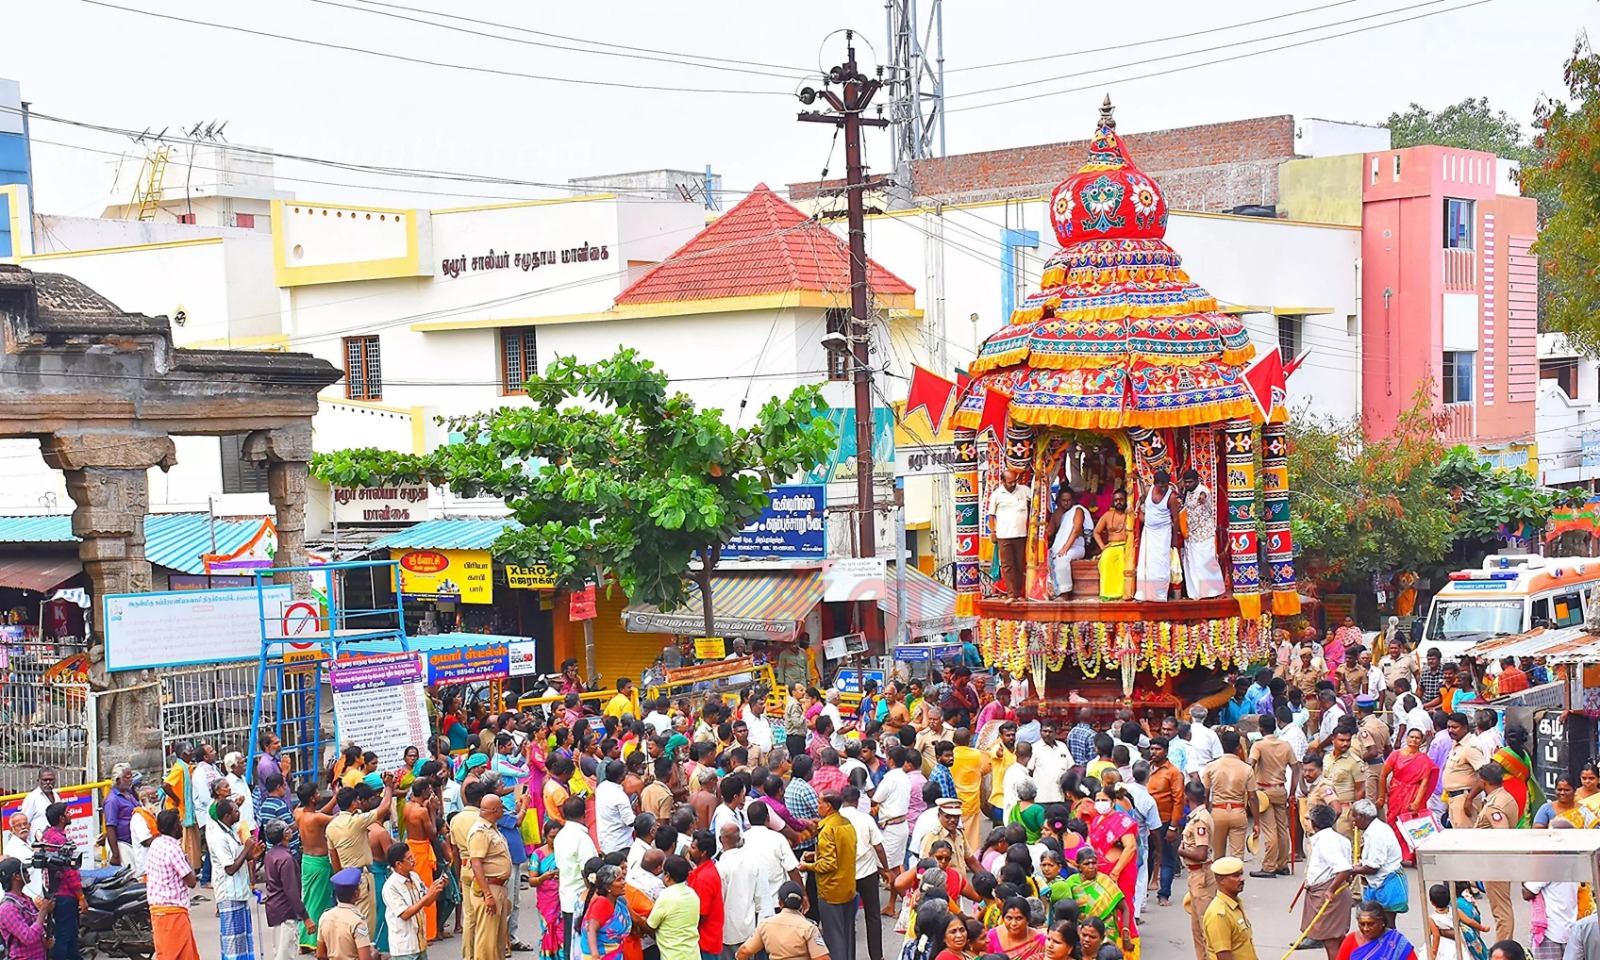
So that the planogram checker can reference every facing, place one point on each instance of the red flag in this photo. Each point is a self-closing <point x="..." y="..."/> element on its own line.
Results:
<point x="1293" y="365"/>
<point x="1265" y="378"/>
<point x="931" y="394"/>
<point x="996" y="411"/>
<point x="962" y="382"/>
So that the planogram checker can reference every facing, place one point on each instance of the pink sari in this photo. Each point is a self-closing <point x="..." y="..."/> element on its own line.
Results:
<point x="1104" y="835"/>
<point x="1413" y="778"/>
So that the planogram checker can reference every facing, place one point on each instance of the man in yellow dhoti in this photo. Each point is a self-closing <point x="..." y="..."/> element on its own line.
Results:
<point x="1111" y="536"/>
<point x="968" y="770"/>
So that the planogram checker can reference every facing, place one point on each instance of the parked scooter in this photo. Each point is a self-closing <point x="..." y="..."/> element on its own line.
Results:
<point x="116" y="922"/>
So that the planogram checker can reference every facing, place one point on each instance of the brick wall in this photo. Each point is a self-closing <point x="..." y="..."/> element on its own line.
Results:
<point x="1209" y="167"/>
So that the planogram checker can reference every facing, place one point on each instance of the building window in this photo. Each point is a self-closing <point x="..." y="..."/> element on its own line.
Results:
<point x="1564" y="371"/>
<point x="1458" y="366"/>
<point x="1291" y="333"/>
<point x="238" y="476"/>
<point x="244" y="221"/>
<point x="363" y="370"/>
<point x="519" y="358"/>
<point x="1458" y="222"/>
<point x="839" y="359"/>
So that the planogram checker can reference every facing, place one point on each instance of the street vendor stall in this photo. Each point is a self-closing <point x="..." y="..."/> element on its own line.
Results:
<point x="1118" y="378"/>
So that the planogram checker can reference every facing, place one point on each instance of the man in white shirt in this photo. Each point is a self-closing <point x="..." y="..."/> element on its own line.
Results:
<point x="572" y="848"/>
<point x="1380" y="850"/>
<point x="17" y="845"/>
<point x="644" y="833"/>
<point x="927" y="822"/>
<point x="1204" y="746"/>
<point x="774" y="855"/>
<point x="1289" y="732"/>
<point x="1488" y="735"/>
<point x="1008" y="512"/>
<point x="871" y="861"/>
<point x="1560" y="911"/>
<point x="893" y="801"/>
<point x="657" y="717"/>
<point x="240" y="791"/>
<point x="613" y="811"/>
<point x="37" y="802"/>
<point x="731" y="809"/>
<point x="1016" y="774"/>
<point x="741" y="878"/>
<point x="1332" y="713"/>
<point x="1051" y="761"/>
<point x="201" y="777"/>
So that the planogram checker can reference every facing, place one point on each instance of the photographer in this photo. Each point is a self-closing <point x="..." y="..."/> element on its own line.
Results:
<point x="22" y="920"/>
<point x="62" y="880"/>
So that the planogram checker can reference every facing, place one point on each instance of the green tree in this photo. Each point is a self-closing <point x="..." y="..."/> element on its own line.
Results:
<point x="1471" y="124"/>
<point x="1363" y="505"/>
<point x="605" y="469"/>
<point x="1489" y="502"/>
<point x="1568" y="137"/>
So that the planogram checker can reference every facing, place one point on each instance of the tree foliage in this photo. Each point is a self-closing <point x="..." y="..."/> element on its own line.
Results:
<point x="606" y="469"/>
<point x="1365" y="505"/>
<point x="1568" y="137"/>
<point x="1471" y="124"/>
<point x="1490" y="502"/>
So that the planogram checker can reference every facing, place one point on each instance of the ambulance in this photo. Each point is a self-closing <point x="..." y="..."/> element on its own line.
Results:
<point x="1508" y="595"/>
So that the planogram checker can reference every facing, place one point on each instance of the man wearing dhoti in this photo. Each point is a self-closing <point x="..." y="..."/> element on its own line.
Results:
<point x="1155" y="540"/>
<point x="1069" y="539"/>
<point x="1202" y="574"/>
<point x="1111" y="536"/>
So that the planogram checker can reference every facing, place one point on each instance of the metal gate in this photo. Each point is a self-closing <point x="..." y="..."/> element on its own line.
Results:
<point x="45" y="720"/>
<point x="213" y="704"/>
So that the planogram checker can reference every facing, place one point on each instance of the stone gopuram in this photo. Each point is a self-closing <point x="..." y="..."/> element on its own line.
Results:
<point x="104" y="392"/>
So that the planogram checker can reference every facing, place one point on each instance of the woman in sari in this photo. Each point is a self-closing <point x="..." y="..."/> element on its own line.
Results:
<point x="1026" y="811"/>
<point x="1589" y="787"/>
<point x="1470" y="927"/>
<point x="1115" y="837"/>
<point x="543" y="877"/>
<point x="1566" y="807"/>
<point x="1014" y="937"/>
<point x="917" y="706"/>
<point x="1096" y="894"/>
<point x="1404" y="786"/>
<point x="453" y="724"/>
<point x="606" y="918"/>
<point x="1373" y="940"/>
<point x="1518" y="765"/>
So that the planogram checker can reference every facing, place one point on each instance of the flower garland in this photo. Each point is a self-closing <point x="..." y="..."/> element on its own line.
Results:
<point x="1159" y="647"/>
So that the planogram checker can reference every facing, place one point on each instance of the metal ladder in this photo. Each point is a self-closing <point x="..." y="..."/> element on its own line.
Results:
<point x="147" y="189"/>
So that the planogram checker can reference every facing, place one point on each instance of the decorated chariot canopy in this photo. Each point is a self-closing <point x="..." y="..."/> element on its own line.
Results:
<point x="1120" y="358"/>
<point x="1118" y="335"/>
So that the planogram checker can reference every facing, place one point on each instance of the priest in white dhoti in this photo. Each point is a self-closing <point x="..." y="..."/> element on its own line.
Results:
<point x="1202" y="572"/>
<point x="1154" y="577"/>
<point x="1070" y="524"/>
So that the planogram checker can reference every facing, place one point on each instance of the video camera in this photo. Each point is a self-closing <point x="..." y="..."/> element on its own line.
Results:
<point x="51" y="859"/>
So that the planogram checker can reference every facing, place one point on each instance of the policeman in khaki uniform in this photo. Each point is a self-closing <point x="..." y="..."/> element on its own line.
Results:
<point x="1345" y="775"/>
<point x="1459" y="778"/>
<point x="1499" y="813"/>
<point x="787" y="934"/>
<point x="1371" y="742"/>
<point x="489" y="861"/>
<point x="1194" y="850"/>
<point x="342" y="932"/>
<point x="1227" y="929"/>
<point x="1231" y="786"/>
<point x="1304" y="673"/>
<point x="460" y="827"/>
<point x="1273" y="761"/>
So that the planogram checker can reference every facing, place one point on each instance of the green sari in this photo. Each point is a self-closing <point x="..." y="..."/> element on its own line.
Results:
<point x="1099" y="897"/>
<point x="1032" y="820"/>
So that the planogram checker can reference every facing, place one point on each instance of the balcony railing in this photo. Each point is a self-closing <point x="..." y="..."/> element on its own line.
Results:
<point x="1460" y="422"/>
<point x="1460" y="270"/>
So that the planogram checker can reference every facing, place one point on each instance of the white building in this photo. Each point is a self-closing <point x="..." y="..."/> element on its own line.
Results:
<point x="1567" y="417"/>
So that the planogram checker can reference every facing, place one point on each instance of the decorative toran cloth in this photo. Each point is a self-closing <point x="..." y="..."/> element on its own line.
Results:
<point x="1280" y="540"/>
<point x="966" y="522"/>
<point x="1243" y="545"/>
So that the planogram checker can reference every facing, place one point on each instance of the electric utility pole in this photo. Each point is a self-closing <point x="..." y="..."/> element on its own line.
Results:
<point x="848" y="104"/>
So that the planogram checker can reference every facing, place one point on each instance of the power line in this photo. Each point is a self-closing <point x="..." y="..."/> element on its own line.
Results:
<point x="1151" y="41"/>
<point x="631" y="53"/>
<point x="1210" y="63"/>
<point x="1189" y="53"/>
<point x="422" y="61"/>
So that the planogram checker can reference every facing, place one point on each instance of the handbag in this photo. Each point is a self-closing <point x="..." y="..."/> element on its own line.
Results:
<point x="1418" y="828"/>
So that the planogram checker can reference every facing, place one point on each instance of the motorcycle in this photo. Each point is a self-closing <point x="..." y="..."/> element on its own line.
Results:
<point x="116" y="922"/>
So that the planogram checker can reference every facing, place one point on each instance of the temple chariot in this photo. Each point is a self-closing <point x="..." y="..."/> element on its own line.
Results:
<point x="1122" y="381"/>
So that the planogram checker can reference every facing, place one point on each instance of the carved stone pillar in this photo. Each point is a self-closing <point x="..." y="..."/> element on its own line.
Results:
<point x="286" y="452"/>
<point x="107" y="478"/>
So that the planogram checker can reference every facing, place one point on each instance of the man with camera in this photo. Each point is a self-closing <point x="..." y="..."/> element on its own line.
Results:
<point x="56" y="856"/>
<point x="23" y="919"/>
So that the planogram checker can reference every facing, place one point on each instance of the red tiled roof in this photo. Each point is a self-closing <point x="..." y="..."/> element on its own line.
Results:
<point x="762" y="245"/>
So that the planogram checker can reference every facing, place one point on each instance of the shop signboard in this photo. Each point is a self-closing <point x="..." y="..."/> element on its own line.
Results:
<point x="397" y="504"/>
<point x="521" y="659"/>
<point x="469" y="664"/>
<point x="536" y="577"/>
<point x="792" y="526"/>
<point x="849" y="681"/>
<point x="582" y="604"/>
<point x="462" y="576"/>
<point x="925" y="460"/>
<point x="149" y="630"/>
<point x="710" y="648"/>
<point x="379" y="702"/>
<point x="1337" y="606"/>
<point x="841" y="464"/>
<point x="855" y="579"/>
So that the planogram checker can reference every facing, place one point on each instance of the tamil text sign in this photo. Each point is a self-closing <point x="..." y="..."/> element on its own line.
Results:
<point x="793" y="526"/>
<point x="398" y="504"/>
<point x="461" y="575"/>
<point x="468" y="664"/>
<point x="378" y="703"/>
<point x="183" y="627"/>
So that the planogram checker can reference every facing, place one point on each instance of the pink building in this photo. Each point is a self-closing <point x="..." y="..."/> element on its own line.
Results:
<point x="1449" y="294"/>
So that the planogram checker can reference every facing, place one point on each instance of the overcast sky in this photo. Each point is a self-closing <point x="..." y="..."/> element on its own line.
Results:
<point x="106" y="66"/>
